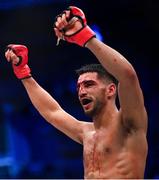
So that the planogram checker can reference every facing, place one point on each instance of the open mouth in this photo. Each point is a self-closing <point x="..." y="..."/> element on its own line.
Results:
<point x="86" y="101"/>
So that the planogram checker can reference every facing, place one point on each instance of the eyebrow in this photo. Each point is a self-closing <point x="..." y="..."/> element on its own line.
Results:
<point x="85" y="82"/>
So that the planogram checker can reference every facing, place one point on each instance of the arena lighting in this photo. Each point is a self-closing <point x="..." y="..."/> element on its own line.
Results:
<point x="97" y="30"/>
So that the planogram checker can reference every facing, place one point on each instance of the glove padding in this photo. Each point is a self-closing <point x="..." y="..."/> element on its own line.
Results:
<point x="81" y="36"/>
<point x="21" y="69"/>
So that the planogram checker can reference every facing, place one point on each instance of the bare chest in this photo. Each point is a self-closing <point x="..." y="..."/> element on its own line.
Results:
<point x="99" y="150"/>
<point x="102" y="142"/>
<point x="97" y="144"/>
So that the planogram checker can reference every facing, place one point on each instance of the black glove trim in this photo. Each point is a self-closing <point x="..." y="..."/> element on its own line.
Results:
<point x="20" y="60"/>
<point x="27" y="77"/>
<point x="89" y="40"/>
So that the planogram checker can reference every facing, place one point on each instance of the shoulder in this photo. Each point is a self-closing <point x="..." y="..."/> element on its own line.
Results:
<point x="88" y="127"/>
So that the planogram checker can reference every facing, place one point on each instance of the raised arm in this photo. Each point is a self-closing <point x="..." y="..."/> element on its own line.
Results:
<point x="72" y="27"/>
<point x="43" y="102"/>
<point x="52" y="111"/>
<point x="129" y="91"/>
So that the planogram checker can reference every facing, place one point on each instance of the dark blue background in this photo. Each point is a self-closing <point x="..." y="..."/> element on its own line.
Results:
<point x="29" y="146"/>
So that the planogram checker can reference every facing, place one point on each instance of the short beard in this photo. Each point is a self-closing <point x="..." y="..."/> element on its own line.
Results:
<point x="96" y="109"/>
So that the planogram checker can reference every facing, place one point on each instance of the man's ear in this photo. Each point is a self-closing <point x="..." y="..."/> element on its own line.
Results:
<point x="111" y="90"/>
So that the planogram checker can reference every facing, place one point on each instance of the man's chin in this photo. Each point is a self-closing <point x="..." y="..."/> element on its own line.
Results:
<point x="89" y="109"/>
<point x="89" y="112"/>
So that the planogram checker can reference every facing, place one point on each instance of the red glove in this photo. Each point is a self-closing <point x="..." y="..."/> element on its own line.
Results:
<point x="80" y="36"/>
<point x="21" y="69"/>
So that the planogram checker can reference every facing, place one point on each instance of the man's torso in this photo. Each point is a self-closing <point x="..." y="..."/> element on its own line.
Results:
<point x="114" y="152"/>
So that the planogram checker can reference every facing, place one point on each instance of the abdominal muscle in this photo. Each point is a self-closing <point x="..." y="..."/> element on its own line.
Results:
<point x="116" y="165"/>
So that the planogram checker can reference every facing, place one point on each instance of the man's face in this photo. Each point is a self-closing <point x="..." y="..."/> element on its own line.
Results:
<point x="91" y="93"/>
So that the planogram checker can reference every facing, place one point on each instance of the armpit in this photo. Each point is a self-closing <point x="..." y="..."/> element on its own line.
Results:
<point x="128" y="126"/>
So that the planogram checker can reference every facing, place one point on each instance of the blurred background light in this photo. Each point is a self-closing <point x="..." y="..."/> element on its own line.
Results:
<point x="97" y="30"/>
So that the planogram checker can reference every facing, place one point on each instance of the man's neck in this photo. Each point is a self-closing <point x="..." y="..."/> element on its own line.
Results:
<point x="106" y="116"/>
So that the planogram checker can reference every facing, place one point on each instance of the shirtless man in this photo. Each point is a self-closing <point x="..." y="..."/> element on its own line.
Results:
<point x="114" y="144"/>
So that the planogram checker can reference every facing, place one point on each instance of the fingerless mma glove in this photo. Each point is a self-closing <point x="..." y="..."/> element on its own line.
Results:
<point x="21" y="69"/>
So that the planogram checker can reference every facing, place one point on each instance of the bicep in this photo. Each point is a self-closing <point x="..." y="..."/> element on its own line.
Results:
<point x="67" y="124"/>
<point x="132" y="101"/>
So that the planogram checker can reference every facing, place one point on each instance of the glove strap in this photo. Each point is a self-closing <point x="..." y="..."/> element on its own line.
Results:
<point x="81" y="37"/>
<point x="22" y="72"/>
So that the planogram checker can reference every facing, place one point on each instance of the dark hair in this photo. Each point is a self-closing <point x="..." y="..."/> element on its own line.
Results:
<point x="98" y="68"/>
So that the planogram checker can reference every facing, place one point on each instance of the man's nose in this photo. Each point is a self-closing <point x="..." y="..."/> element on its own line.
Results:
<point x="82" y="91"/>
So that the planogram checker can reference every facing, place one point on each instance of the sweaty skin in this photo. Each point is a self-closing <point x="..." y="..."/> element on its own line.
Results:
<point x="113" y="153"/>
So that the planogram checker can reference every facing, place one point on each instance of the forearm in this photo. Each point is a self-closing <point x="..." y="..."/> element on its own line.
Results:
<point x="112" y="60"/>
<point x="41" y="99"/>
